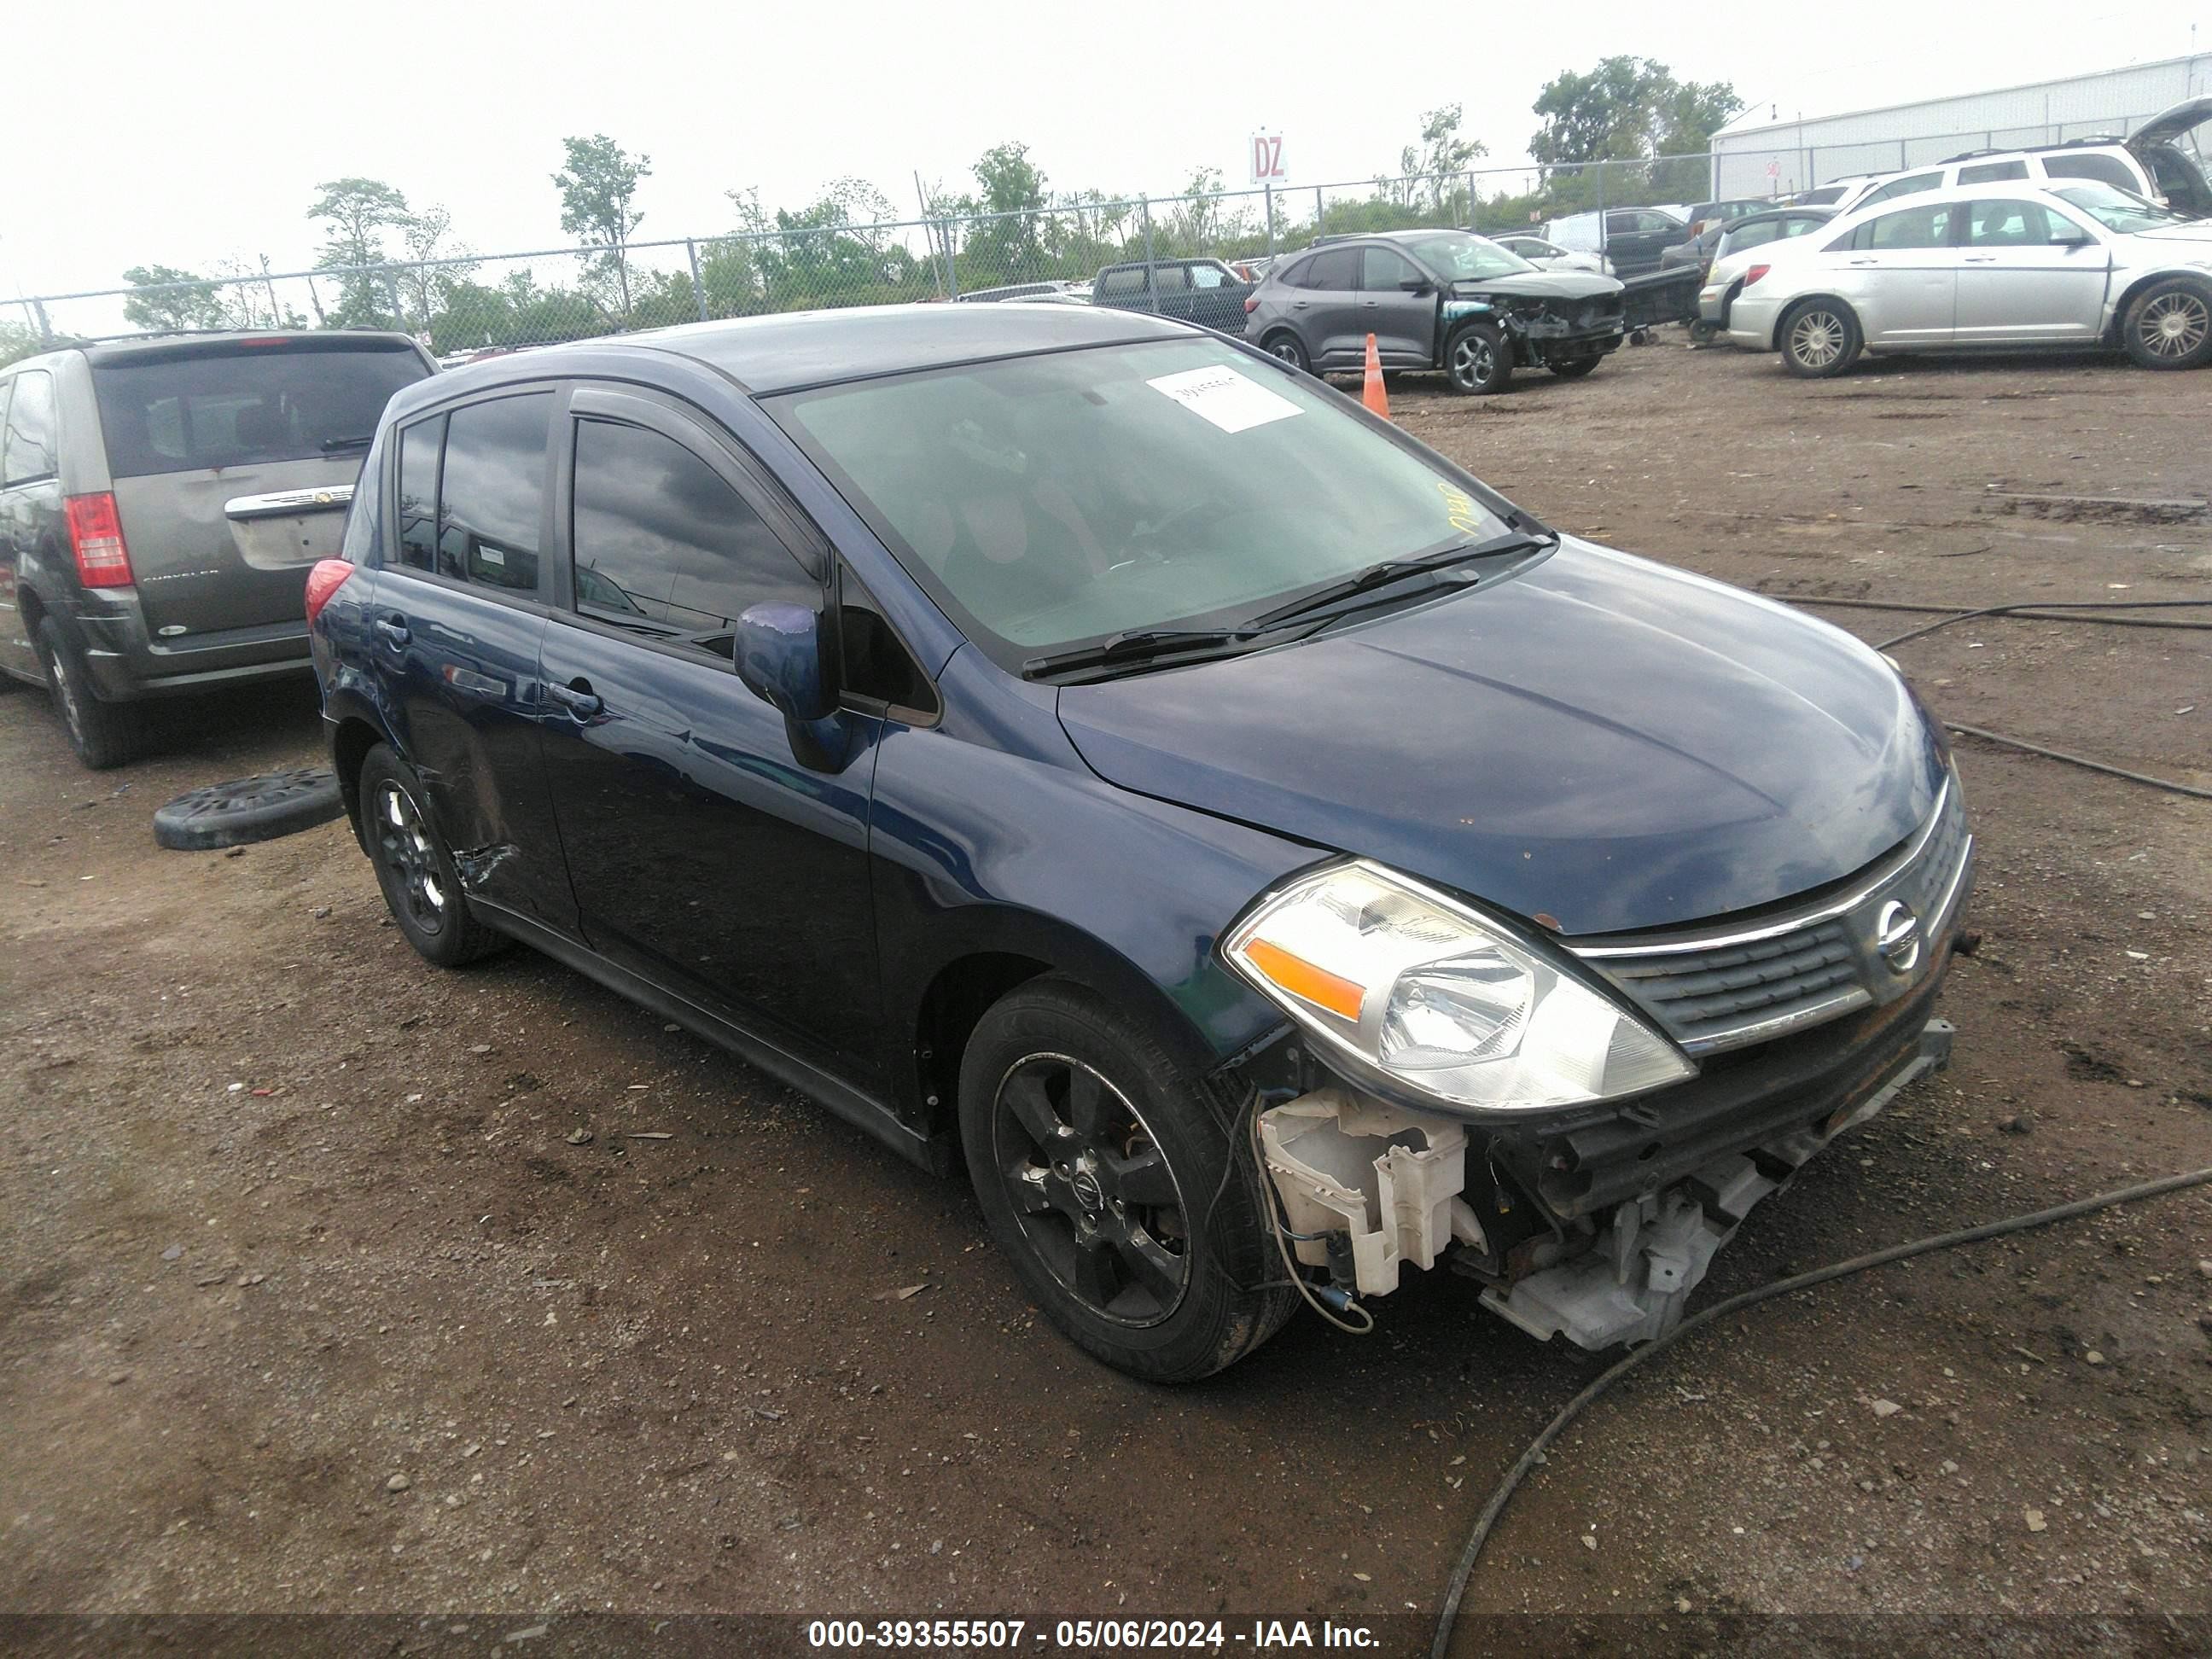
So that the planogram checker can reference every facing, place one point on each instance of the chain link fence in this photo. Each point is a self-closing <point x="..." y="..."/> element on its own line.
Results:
<point x="459" y="306"/>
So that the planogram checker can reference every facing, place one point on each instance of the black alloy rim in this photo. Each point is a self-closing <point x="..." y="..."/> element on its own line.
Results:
<point x="1093" y="1194"/>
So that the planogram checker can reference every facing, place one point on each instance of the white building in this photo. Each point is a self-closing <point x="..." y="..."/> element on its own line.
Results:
<point x="1765" y="157"/>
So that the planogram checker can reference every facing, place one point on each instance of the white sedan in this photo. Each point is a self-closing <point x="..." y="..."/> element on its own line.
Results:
<point x="1550" y="256"/>
<point x="2009" y="265"/>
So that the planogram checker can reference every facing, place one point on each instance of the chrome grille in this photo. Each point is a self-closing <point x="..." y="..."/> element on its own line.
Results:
<point x="1714" y="989"/>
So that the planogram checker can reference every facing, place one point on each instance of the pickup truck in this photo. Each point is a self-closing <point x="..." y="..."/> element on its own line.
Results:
<point x="1201" y="291"/>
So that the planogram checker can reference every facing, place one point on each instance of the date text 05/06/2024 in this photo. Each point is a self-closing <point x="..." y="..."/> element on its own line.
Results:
<point x="1087" y="1635"/>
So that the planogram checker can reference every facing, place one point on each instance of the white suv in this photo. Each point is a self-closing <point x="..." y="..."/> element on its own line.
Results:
<point x="2149" y="163"/>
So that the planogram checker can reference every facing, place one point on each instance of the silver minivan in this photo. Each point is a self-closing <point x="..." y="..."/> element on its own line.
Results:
<point x="161" y="499"/>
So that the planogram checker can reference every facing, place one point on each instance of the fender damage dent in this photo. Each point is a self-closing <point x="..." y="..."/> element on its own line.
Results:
<point x="476" y="865"/>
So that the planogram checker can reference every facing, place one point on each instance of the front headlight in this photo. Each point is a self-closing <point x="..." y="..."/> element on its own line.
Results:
<point x="1439" y="999"/>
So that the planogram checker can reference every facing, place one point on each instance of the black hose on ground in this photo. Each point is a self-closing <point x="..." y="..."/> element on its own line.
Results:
<point x="2106" y="767"/>
<point x="1534" y="1455"/>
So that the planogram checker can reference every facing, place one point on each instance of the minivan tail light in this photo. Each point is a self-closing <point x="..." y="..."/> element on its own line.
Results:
<point x="325" y="579"/>
<point x="1754" y="274"/>
<point x="95" y="531"/>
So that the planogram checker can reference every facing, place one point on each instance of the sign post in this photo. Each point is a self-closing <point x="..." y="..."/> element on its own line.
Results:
<point x="1264" y="155"/>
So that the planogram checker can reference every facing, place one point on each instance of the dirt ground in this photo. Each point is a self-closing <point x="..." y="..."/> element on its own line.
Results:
<point x="307" y="1304"/>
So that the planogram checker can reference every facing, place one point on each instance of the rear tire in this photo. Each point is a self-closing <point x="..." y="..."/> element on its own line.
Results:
<point x="1285" y="347"/>
<point x="415" y="867"/>
<point x="1575" y="368"/>
<point x="1821" y="339"/>
<point x="2169" y="325"/>
<point x="104" y="734"/>
<point x="1096" y="1161"/>
<point x="1477" y="360"/>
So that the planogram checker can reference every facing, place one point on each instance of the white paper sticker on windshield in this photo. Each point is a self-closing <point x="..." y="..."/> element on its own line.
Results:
<point x="1224" y="398"/>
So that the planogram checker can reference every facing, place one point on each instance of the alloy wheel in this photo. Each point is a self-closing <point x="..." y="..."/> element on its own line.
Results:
<point x="2174" y="324"/>
<point x="1284" y="347"/>
<point x="1474" y="360"/>
<point x="65" y="693"/>
<point x="1092" y="1192"/>
<point x="403" y="847"/>
<point x="1816" y="339"/>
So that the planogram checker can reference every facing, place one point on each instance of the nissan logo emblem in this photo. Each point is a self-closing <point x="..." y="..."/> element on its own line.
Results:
<point x="1897" y="937"/>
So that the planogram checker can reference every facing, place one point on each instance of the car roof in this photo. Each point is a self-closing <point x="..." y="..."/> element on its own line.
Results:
<point x="193" y="343"/>
<point x="786" y="350"/>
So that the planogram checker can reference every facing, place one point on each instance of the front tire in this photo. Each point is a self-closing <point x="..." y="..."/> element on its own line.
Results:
<point x="1821" y="339"/>
<point x="1573" y="368"/>
<point x="415" y="867"/>
<point x="103" y="734"/>
<point x="1108" y="1182"/>
<point x="2169" y="325"/>
<point x="1477" y="360"/>
<point x="1287" y="348"/>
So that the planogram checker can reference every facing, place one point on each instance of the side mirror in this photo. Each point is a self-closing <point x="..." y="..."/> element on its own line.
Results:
<point x="780" y="659"/>
<point x="2072" y="238"/>
<point x="1415" y="285"/>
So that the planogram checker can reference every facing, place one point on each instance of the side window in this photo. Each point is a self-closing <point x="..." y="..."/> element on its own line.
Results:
<point x="1621" y="224"/>
<point x="1336" y="270"/>
<point x="420" y="447"/>
<point x="492" y="490"/>
<point x="28" y="450"/>
<point x="1171" y="279"/>
<point x="875" y="666"/>
<point x="1800" y="227"/>
<point x="1756" y="236"/>
<point x="665" y="547"/>
<point x="1989" y="172"/>
<point x="2008" y="224"/>
<point x="1914" y="227"/>
<point x="2105" y="169"/>
<point x="1657" y="221"/>
<point x="1299" y="274"/>
<point x="1208" y="275"/>
<point x="364" y="519"/>
<point x="1908" y="186"/>
<point x="1119" y="282"/>
<point x="1382" y="269"/>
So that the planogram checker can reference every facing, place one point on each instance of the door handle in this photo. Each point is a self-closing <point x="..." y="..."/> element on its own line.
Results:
<point x="577" y="697"/>
<point x="1299" y="304"/>
<point x="1981" y="259"/>
<point x="1861" y="262"/>
<point x="1370" y="305"/>
<point x="393" y="627"/>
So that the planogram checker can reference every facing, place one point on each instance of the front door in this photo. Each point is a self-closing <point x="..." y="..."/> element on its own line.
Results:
<point x="704" y="856"/>
<point x="455" y="625"/>
<point x="1901" y="274"/>
<point x="1404" y="324"/>
<point x="2016" y="282"/>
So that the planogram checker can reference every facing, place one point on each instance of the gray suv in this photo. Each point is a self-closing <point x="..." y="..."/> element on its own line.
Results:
<point x="161" y="502"/>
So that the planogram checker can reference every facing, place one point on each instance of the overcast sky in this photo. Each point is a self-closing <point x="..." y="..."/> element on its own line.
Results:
<point x="184" y="135"/>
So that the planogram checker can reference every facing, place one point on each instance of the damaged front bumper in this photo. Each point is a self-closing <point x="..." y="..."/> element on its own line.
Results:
<point x="1600" y="1230"/>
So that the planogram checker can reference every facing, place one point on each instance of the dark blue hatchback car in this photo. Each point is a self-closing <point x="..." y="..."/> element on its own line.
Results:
<point x="1075" y="744"/>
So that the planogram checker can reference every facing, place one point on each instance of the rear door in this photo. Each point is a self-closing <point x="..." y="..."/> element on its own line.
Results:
<point x="2015" y="283"/>
<point x="1328" y="307"/>
<point x="192" y="426"/>
<point x="1901" y="273"/>
<point x="702" y="854"/>
<point x="1404" y="324"/>
<point x="457" y="619"/>
<point x="30" y="501"/>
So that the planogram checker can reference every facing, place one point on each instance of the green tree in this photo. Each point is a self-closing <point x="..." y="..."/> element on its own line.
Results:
<point x="182" y="299"/>
<point x="1431" y="166"/>
<point x="354" y="214"/>
<point x="1630" y="109"/>
<point x="599" y="188"/>
<point x="16" y="344"/>
<point x="428" y="278"/>
<point x="1008" y="250"/>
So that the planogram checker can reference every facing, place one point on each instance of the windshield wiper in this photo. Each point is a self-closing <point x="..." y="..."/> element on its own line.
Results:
<point x="1132" y="646"/>
<point x="1395" y="570"/>
<point x="331" y="444"/>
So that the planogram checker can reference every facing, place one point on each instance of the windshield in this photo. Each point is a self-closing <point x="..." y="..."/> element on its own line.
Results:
<point x="1050" y="501"/>
<point x="1459" y="255"/>
<point x="236" y="405"/>
<point x="2119" y="210"/>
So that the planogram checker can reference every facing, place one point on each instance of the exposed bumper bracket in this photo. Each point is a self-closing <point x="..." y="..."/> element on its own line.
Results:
<point x="1632" y="1288"/>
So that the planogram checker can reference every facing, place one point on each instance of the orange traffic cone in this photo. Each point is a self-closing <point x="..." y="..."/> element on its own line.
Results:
<point x="1372" y="394"/>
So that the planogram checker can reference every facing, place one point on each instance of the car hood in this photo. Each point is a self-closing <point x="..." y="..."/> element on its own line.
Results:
<point x="2169" y="124"/>
<point x="1599" y="740"/>
<point x="1539" y="285"/>
<point x="2198" y="231"/>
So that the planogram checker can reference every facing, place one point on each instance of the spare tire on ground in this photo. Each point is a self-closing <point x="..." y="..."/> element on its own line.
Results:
<point x="249" y="809"/>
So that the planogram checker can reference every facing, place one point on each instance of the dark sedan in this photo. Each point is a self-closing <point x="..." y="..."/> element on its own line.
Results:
<point x="1079" y="749"/>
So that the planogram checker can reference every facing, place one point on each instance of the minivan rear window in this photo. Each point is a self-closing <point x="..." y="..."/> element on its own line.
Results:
<point x="240" y="405"/>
